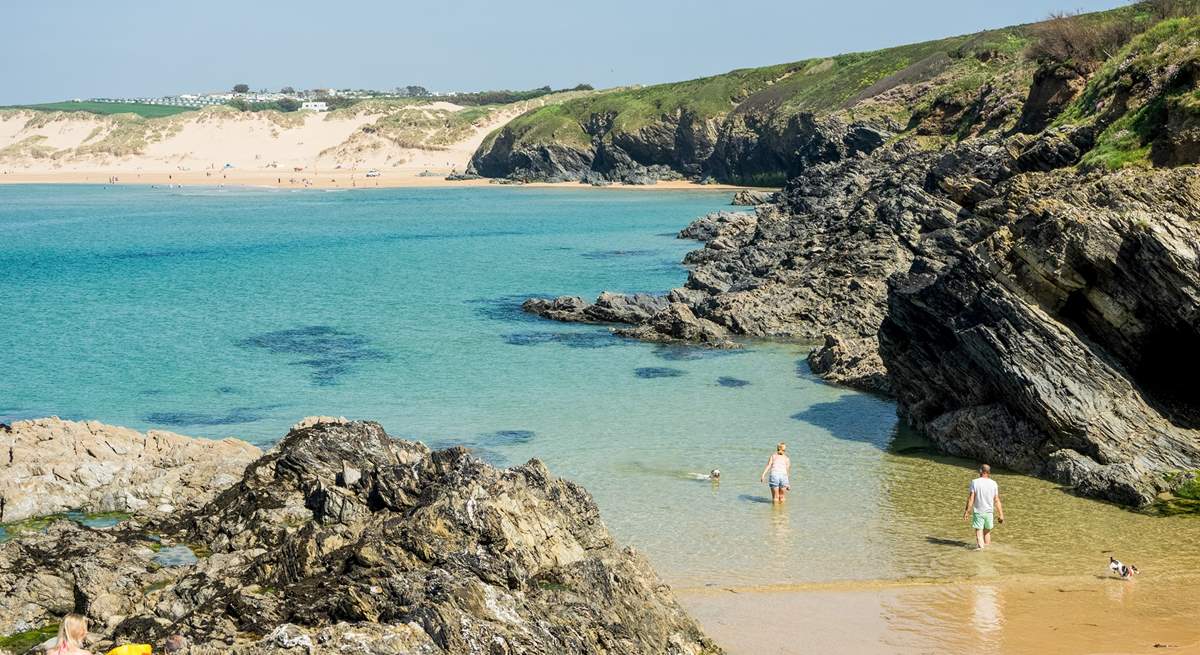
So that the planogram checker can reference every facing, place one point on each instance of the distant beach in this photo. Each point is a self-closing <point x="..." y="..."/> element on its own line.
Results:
<point x="335" y="179"/>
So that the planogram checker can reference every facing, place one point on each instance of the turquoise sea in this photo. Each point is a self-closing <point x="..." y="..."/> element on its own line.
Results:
<point x="224" y="312"/>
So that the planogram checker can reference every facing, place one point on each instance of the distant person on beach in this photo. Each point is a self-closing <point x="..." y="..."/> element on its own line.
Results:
<point x="71" y="633"/>
<point x="777" y="472"/>
<point x="983" y="504"/>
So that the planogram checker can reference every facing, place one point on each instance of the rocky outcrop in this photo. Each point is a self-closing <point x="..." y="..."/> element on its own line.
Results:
<point x="608" y="308"/>
<point x="343" y="538"/>
<point x="667" y="149"/>
<point x="751" y="197"/>
<point x="677" y="323"/>
<point x="50" y="465"/>
<point x="853" y="362"/>
<point x="728" y="229"/>
<point x="1060" y="343"/>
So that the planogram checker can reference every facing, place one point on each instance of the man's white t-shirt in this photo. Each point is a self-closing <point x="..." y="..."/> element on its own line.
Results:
<point x="985" y="490"/>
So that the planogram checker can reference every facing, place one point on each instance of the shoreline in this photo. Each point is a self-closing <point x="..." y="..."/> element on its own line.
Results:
<point x="1069" y="615"/>
<point x="239" y="178"/>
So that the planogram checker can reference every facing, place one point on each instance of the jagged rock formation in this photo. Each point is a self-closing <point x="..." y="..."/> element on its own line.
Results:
<point x="1060" y="343"/>
<point x="344" y="538"/>
<point x="50" y="465"/>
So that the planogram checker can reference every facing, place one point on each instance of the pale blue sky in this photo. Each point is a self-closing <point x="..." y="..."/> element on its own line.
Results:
<point x="59" y="49"/>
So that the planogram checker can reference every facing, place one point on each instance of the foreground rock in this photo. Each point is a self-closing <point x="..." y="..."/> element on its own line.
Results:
<point x="344" y="540"/>
<point x="51" y="466"/>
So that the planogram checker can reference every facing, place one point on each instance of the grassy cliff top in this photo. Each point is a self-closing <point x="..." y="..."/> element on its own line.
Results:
<point x="854" y="83"/>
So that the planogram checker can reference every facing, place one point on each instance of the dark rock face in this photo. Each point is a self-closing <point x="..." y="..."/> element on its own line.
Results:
<point x="744" y="148"/>
<point x="754" y="149"/>
<point x="1060" y="344"/>
<point x="551" y="162"/>
<point x="342" y="531"/>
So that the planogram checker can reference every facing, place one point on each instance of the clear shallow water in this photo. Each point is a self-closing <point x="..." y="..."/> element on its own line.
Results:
<point x="236" y="312"/>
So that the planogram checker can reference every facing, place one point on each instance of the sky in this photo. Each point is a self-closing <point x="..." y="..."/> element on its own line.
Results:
<point x="62" y="49"/>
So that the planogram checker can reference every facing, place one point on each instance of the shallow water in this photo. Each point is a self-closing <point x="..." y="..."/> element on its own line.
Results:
<point x="236" y="312"/>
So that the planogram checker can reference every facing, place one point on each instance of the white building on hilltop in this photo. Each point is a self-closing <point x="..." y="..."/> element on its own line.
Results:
<point x="314" y="105"/>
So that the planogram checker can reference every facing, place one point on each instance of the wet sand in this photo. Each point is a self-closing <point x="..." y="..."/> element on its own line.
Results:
<point x="336" y="179"/>
<point x="1089" y="615"/>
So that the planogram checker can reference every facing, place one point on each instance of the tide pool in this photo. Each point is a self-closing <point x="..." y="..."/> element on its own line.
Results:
<point x="224" y="312"/>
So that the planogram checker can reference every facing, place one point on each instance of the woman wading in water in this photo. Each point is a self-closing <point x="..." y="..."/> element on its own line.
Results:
<point x="776" y="474"/>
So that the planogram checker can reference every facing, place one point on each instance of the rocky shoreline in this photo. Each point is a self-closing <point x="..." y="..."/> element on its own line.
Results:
<point x="1025" y="304"/>
<point x="342" y="539"/>
<point x="53" y="466"/>
<point x="1019" y="316"/>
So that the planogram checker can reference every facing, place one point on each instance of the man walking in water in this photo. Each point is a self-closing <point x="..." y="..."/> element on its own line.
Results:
<point x="982" y="505"/>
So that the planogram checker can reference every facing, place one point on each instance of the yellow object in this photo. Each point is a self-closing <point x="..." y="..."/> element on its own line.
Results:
<point x="131" y="649"/>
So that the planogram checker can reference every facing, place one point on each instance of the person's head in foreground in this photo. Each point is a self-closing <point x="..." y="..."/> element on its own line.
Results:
<point x="71" y="633"/>
<point x="175" y="644"/>
<point x="781" y="448"/>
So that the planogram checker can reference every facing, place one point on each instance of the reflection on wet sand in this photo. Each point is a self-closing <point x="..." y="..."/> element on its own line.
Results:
<point x="1068" y="616"/>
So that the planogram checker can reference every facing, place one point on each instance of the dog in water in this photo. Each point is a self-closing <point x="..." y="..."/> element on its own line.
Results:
<point x="715" y="475"/>
<point x="1126" y="571"/>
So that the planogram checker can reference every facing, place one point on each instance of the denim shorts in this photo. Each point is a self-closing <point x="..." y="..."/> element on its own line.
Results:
<point x="778" y="481"/>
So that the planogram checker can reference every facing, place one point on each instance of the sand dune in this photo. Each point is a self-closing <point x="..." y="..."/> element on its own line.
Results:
<point x="222" y="145"/>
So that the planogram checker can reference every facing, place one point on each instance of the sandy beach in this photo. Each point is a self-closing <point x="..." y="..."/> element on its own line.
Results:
<point x="1084" y="615"/>
<point x="401" y="146"/>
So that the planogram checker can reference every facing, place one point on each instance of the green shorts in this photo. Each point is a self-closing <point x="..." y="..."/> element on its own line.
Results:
<point x="982" y="520"/>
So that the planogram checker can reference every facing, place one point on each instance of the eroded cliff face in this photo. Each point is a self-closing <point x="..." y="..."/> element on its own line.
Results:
<point x="344" y="540"/>
<point x="750" y="148"/>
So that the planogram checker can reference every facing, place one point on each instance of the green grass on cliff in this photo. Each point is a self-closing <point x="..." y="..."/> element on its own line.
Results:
<point x="820" y="86"/>
<point x="1138" y="91"/>
<point x="950" y="88"/>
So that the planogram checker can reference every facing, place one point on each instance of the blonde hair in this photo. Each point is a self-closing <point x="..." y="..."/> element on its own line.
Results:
<point x="71" y="632"/>
<point x="780" y="448"/>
